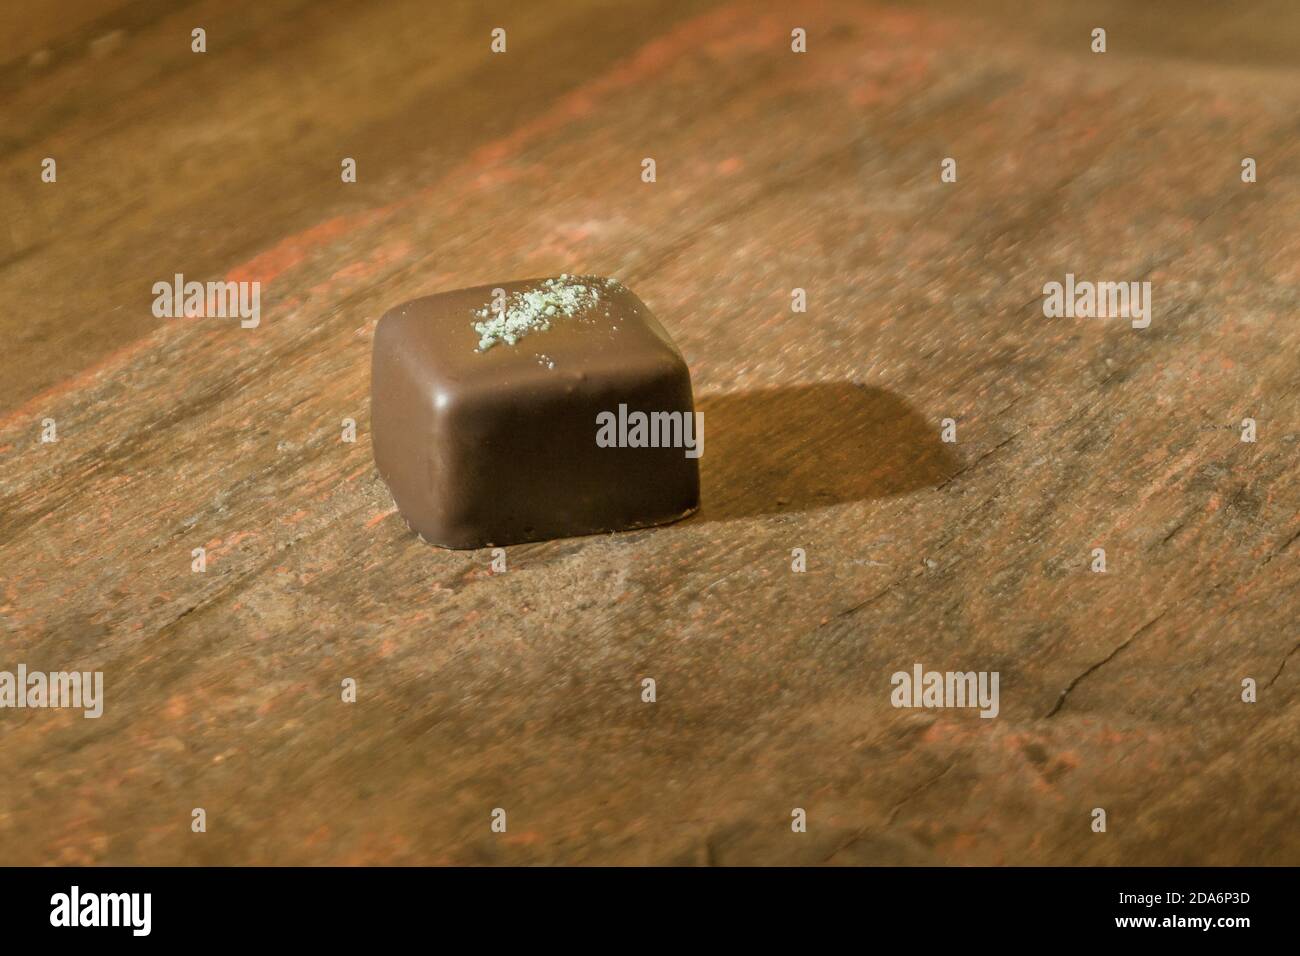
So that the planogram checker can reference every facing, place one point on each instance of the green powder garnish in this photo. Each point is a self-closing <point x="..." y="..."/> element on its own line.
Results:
<point x="532" y="310"/>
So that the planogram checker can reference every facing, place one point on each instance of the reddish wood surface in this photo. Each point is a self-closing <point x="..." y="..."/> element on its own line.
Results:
<point x="522" y="690"/>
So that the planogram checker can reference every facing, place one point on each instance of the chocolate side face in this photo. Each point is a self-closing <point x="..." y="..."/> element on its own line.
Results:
<point x="498" y="445"/>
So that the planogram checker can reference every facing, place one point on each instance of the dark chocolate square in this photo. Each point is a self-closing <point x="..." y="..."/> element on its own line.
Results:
<point x="491" y="439"/>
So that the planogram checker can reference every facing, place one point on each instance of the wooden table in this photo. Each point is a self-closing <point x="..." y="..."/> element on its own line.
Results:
<point x="775" y="170"/>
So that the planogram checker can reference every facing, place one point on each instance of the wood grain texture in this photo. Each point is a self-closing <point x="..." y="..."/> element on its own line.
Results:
<point x="522" y="690"/>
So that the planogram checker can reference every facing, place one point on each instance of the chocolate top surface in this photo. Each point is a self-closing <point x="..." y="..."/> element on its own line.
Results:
<point x="609" y="333"/>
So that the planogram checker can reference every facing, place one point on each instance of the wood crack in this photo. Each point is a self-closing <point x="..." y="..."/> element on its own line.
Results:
<point x="976" y="463"/>
<point x="1060" y="701"/>
<point x="849" y="612"/>
<point x="1286" y="544"/>
<point x="893" y="813"/>
<point x="1282" y="666"/>
<point x="907" y="798"/>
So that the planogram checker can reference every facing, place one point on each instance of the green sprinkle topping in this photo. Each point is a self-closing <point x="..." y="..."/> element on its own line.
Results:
<point x="532" y="310"/>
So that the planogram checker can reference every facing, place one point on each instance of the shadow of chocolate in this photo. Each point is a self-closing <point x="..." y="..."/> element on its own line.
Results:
<point x="800" y="447"/>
